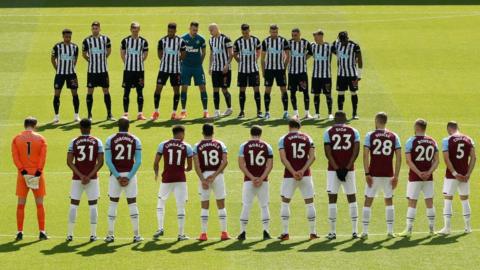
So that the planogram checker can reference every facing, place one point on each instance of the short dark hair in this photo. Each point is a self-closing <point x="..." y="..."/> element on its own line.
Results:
<point x="66" y="31"/>
<point x="123" y="124"/>
<point x="30" y="122"/>
<point x="343" y="35"/>
<point x="85" y="123"/>
<point x="452" y="125"/>
<point x="172" y="25"/>
<point x="178" y="129"/>
<point x="207" y="129"/>
<point x="273" y="27"/>
<point x="340" y="117"/>
<point x="194" y="23"/>
<point x="245" y="26"/>
<point x="256" y="130"/>
<point x="421" y="123"/>
<point x="294" y="123"/>
<point x="296" y="30"/>
<point x="96" y="23"/>
<point x="382" y="117"/>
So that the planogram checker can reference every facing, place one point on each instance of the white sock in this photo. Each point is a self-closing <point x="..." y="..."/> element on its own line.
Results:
<point x="156" y="110"/>
<point x="112" y="215"/>
<point x="447" y="213"/>
<point x="134" y="218"/>
<point x="431" y="218"/>
<point x="181" y="219"/>
<point x="390" y="217"/>
<point x="354" y="216"/>
<point x="285" y="214"/>
<point x="93" y="219"/>
<point x="332" y="217"/>
<point x="411" y="213"/>
<point x="204" y="219"/>
<point x="244" y="216"/>
<point x="222" y="216"/>
<point x="466" y="213"/>
<point x="295" y="112"/>
<point x="72" y="217"/>
<point x="311" y="216"/>
<point x="265" y="218"/>
<point x="366" y="213"/>
<point x="160" y="213"/>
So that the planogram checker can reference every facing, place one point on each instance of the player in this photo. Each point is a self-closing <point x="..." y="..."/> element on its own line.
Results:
<point x="460" y="158"/>
<point x="64" y="59"/>
<point x="134" y="52"/>
<point x="84" y="158"/>
<point x="349" y="66"/>
<point x="123" y="156"/>
<point x="29" y="153"/>
<point x="246" y="50"/>
<point x="221" y="55"/>
<point x="192" y="67"/>
<point x="297" y="153"/>
<point x="96" y="49"/>
<point x="300" y="51"/>
<point x="255" y="160"/>
<point x="342" y="145"/>
<point x="275" y="57"/>
<point x="171" y="50"/>
<point x="380" y="148"/>
<point x="421" y="152"/>
<point x="322" y="73"/>
<point x="210" y="159"/>
<point x="175" y="153"/>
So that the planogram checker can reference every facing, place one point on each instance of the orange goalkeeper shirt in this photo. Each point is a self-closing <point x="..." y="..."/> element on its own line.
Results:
<point x="29" y="151"/>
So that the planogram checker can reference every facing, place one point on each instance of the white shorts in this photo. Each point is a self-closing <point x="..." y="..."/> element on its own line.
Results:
<point x="179" y="190"/>
<point x="115" y="190"/>
<point x="289" y="185"/>
<point x="217" y="187"/>
<point x="333" y="183"/>
<point x="415" y="187"/>
<point x="452" y="185"/>
<point x="380" y="183"/>
<point x="250" y="191"/>
<point x="92" y="189"/>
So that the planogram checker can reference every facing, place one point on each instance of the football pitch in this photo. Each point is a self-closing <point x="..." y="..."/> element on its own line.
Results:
<point x="419" y="61"/>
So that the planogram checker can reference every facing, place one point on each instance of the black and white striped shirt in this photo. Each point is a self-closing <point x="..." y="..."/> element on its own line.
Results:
<point x="346" y="58"/>
<point x="219" y="47"/>
<point x="134" y="50"/>
<point x="171" y="49"/>
<point x="247" y="50"/>
<point x="96" y="48"/>
<point x="66" y="57"/>
<point x="274" y="49"/>
<point x="322" y="58"/>
<point x="298" y="56"/>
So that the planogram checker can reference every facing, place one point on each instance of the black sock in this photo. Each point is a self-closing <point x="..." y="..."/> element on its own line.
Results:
<point x="183" y="98"/>
<point x="242" y="97"/>
<point x="108" y="103"/>
<point x="216" y="100"/>
<point x="89" y="104"/>
<point x="126" y="99"/>
<point x="204" y="97"/>
<point x="76" y="103"/>
<point x="340" y="100"/>
<point x="140" y="99"/>
<point x="258" y="101"/>
<point x="228" y="98"/>
<point x="293" y="99"/>
<point x="266" y="98"/>
<point x="316" y="103"/>
<point x="176" y="99"/>
<point x="329" y="103"/>
<point x="156" y="100"/>
<point x="56" y="104"/>
<point x="306" y="99"/>
<point x="285" y="101"/>
<point x="354" y="104"/>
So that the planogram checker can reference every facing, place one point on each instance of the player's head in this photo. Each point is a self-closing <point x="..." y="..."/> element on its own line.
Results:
<point x="135" y="28"/>
<point x="194" y="28"/>
<point x="340" y="117"/>
<point x="274" y="30"/>
<point x="452" y="127"/>
<point x="30" y="122"/>
<point x="256" y="131"/>
<point x="95" y="28"/>
<point x="85" y="126"/>
<point x="381" y="119"/>
<point x="171" y="29"/>
<point x="296" y="33"/>
<point x="245" y="29"/>
<point x="123" y="124"/>
<point x="213" y="29"/>
<point x="318" y="36"/>
<point x="67" y="35"/>
<point x="343" y="37"/>
<point x="178" y="132"/>
<point x="420" y="126"/>
<point x="294" y="124"/>
<point x="207" y="130"/>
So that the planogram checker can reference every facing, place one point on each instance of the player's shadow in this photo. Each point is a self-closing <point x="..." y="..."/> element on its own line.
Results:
<point x="64" y="247"/>
<point x="239" y="245"/>
<point x="277" y="246"/>
<point x="104" y="248"/>
<point x="108" y="125"/>
<point x="49" y="126"/>
<point x="13" y="246"/>
<point x="195" y="246"/>
<point x="444" y="240"/>
<point x="407" y="242"/>
<point x="154" y="245"/>
<point x="362" y="245"/>
<point x="263" y="122"/>
<point x="232" y="122"/>
<point x="171" y="123"/>
<point x="326" y="245"/>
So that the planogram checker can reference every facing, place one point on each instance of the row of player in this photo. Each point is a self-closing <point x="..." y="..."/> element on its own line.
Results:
<point x="181" y="59"/>
<point x="381" y="159"/>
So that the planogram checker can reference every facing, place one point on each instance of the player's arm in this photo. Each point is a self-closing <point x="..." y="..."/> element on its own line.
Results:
<point x="356" y="151"/>
<point x="75" y="55"/>
<point x="156" y="163"/>
<point x="366" y="165"/>
<point x="160" y="54"/>
<point x="123" y="50"/>
<point x="309" y="51"/>
<point x="53" y="57"/>
<point x="183" y="50"/>
<point x="109" y="47"/>
<point x="85" y="51"/>
<point x="398" y="165"/>
<point x="285" y="162"/>
<point x="448" y="162"/>
<point x="108" y="161"/>
<point x="198" y="171"/>
<point x="222" y="167"/>
<point x="42" y="158"/>
<point x="268" y="169"/>
<point x="236" y="52"/>
<point x="230" y="58"/>
<point x="287" y="58"/>
<point x="411" y="164"/>
<point x="204" y="53"/>
<point x="262" y="62"/>
<point x="329" y="156"/>
<point x="97" y="167"/>
<point x="435" y="162"/>
<point x="243" y="167"/>
<point x="136" y="164"/>
<point x="189" y="158"/>
<point x="471" y="163"/>
<point x="210" y="61"/>
<point x="16" y="158"/>
<point x="72" y="166"/>
<point x="145" y="51"/>
<point x="311" y="158"/>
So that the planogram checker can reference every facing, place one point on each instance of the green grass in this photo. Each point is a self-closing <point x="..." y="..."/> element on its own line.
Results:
<point x="420" y="61"/>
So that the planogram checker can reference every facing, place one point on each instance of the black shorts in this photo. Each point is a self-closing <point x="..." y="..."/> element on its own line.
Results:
<point x="298" y="82"/>
<point x="163" y="77"/>
<point x="345" y="83"/>
<point x="277" y="75"/>
<point x="221" y="80"/>
<point x="322" y="85"/>
<point x="98" y="80"/>
<point x="70" y="79"/>
<point x="248" y="79"/>
<point x="133" y="79"/>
